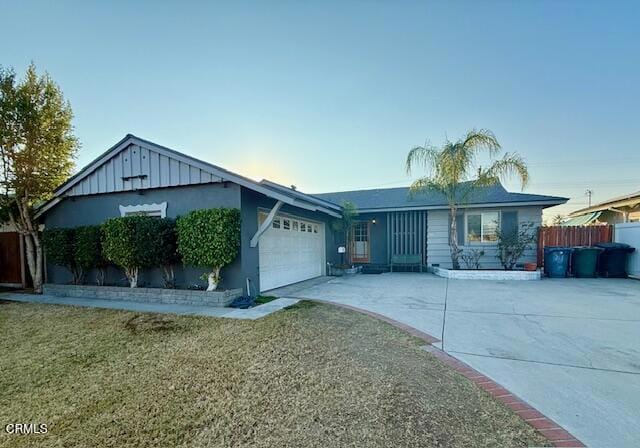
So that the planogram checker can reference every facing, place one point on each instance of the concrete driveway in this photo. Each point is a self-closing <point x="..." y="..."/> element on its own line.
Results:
<point x="569" y="347"/>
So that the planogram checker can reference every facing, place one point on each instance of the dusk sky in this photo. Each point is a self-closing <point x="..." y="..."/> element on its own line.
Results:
<point x="331" y="95"/>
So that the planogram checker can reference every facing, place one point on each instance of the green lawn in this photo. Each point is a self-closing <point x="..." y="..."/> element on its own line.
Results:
<point x="309" y="376"/>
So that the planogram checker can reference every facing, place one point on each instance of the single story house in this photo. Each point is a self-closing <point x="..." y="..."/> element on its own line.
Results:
<point x="286" y="235"/>
<point x="616" y="210"/>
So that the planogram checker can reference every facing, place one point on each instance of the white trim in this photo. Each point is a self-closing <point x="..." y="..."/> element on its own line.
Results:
<point x="480" y="212"/>
<point x="465" y="206"/>
<point x="144" y="208"/>
<point x="266" y="224"/>
<point x="493" y="274"/>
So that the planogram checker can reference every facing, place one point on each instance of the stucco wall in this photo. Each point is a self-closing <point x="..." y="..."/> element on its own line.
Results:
<point x="95" y="209"/>
<point x="438" y="238"/>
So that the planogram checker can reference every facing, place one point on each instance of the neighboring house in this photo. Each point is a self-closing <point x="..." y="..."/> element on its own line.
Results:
<point x="286" y="235"/>
<point x="612" y="211"/>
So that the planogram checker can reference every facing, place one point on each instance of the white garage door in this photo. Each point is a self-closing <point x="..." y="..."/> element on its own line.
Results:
<point x="290" y="251"/>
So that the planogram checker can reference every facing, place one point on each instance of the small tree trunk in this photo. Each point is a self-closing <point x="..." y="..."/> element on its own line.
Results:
<point x="453" y="239"/>
<point x="132" y="276"/>
<point x="100" y="276"/>
<point x="34" y="260"/>
<point x="168" y="276"/>
<point x="78" y="276"/>
<point x="26" y="227"/>
<point x="214" y="279"/>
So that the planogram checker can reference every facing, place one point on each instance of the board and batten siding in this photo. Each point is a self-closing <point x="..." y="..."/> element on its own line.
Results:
<point x="137" y="167"/>
<point x="438" y="251"/>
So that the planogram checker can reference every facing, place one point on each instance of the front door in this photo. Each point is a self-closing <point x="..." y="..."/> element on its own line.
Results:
<point x="360" y="249"/>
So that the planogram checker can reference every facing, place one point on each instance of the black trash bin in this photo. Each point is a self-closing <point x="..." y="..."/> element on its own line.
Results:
<point x="556" y="261"/>
<point x="613" y="259"/>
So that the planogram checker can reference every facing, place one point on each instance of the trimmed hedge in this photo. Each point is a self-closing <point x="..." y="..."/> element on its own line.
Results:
<point x="129" y="243"/>
<point x="88" y="250"/>
<point x="205" y="238"/>
<point x="209" y="238"/>
<point x="167" y="254"/>
<point x="59" y="247"/>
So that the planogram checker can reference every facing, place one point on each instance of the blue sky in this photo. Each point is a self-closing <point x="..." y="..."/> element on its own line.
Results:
<point x="332" y="95"/>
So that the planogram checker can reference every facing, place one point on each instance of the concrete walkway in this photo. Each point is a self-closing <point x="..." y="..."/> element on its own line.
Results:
<point x="568" y="347"/>
<point x="210" y="311"/>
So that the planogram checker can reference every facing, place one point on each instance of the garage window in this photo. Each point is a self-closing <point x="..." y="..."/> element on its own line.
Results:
<point x="286" y="224"/>
<point x="295" y="226"/>
<point x="276" y="223"/>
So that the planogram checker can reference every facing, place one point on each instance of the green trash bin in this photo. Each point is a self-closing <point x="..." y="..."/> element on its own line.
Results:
<point x="585" y="261"/>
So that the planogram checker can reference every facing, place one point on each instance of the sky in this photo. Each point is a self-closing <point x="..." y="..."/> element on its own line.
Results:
<point x="332" y="95"/>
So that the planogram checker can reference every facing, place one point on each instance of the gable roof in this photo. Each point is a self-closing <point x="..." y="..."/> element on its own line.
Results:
<point x="388" y="199"/>
<point x="136" y="164"/>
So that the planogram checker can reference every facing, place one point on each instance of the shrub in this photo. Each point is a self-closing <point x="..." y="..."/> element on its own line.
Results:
<point x="59" y="247"/>
<point x="209" y="238"/>
<point x="472" y="258"/>
<point x="88" y="251"/>
<point x="512" y="244"/>
<point x="131" y="243"/>
<point x="167" y="250"/>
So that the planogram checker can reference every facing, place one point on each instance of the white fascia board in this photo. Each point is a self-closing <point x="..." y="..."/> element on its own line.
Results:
<point x="52" y="203"/>
<point x="446" y="207"/>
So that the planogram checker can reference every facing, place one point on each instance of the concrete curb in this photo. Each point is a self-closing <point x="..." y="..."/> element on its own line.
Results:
<point x="555" y="433"/>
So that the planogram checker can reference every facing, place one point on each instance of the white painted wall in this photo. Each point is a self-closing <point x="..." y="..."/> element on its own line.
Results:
<point x="629" y="233"/>
<point x="438" y="238"/>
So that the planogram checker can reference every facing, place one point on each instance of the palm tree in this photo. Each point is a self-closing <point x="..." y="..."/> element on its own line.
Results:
<point x="557" y="220"/>
<point x="451" y="171"/>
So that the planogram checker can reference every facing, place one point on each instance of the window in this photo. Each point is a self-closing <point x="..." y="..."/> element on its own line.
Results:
<point x="303" y="227"/>
<point x="286" y="224"/>
<point x="295" y="226"/>
<point x="361" y="232"/>
<point x="155" y="210"/>
<point x="276" y="223"/>
<point x="482" y="227"/>
<point x="315" y="228"/>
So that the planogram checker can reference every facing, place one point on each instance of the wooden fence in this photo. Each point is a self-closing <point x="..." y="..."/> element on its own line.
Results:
<point x="571" y="236"/>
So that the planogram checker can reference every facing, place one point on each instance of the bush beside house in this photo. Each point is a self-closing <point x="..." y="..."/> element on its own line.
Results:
<point x="59" y="246"/>
<point x="88" y="251"/>
<point x="207" y="238"/>
<point x="210" y="239"/>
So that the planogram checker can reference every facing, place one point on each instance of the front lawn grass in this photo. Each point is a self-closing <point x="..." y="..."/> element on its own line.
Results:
<point x="308" y="376"/>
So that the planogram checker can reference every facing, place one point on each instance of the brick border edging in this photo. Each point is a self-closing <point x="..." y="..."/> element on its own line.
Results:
<point x="555" y="433"/>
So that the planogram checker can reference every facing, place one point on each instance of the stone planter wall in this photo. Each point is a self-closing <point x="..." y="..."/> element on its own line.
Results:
<point x="487" y="274"/>
<point x="148" y="295"/>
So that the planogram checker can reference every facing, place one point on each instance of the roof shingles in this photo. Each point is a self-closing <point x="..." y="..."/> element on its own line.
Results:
<point x="399" y="198"/>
